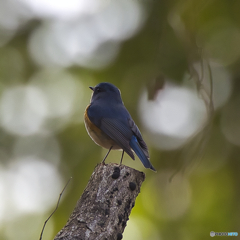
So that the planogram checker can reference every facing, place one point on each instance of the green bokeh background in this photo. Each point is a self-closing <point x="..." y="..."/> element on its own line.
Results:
<point x="204" y="195"/>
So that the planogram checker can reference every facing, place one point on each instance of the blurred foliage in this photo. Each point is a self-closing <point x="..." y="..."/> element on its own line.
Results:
<point x="196" y="189"/>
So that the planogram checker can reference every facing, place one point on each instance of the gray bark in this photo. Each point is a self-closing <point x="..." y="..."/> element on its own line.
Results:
<point x="103" y="210"/>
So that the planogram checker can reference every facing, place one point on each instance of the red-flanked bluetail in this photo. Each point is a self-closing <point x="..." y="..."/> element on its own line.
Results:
<point x="110" y="125"/>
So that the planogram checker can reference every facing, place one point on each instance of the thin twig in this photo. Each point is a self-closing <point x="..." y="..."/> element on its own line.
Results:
<point x="200" y="140"/>
<point x="59" y="198"/>
<point x="211" y="107"/>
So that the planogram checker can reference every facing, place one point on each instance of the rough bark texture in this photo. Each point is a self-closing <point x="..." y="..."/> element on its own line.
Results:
<point x="105" y="205"/>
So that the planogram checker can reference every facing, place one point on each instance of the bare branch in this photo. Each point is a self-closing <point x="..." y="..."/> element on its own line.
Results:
<point x="103" y="210"/>
<point x="59" y="198"/>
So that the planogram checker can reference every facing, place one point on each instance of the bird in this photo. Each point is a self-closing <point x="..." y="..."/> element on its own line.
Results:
<point x="110" y="125"/>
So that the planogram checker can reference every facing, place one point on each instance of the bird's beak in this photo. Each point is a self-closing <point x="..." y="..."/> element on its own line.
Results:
<point x="92" y="88"/>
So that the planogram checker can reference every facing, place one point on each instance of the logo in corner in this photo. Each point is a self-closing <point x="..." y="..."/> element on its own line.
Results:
<point x="212" y="233"/>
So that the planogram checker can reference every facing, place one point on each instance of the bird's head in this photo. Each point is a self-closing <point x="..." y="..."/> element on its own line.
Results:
<point x="106" y="92"/>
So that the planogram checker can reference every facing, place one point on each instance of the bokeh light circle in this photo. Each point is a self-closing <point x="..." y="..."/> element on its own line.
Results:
<point x="23" y="110"/>
<point x="176" y="114"/>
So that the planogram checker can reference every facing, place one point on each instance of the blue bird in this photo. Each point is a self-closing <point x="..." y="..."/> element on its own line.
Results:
<point x="110" y="125"/>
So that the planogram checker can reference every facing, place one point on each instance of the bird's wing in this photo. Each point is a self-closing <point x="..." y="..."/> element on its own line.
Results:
<point x="119" y="132"/>
<point x="137" y="133"/>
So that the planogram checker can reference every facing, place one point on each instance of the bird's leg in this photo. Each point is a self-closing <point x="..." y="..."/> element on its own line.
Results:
<point x="103" y="161"/>
<point x="122" y="158"/>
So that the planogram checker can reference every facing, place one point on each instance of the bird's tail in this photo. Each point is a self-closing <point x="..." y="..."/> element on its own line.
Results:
<point x="134" y="144"/>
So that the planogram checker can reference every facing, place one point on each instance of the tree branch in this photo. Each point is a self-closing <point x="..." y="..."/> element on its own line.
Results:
<point x="105" y="205"/>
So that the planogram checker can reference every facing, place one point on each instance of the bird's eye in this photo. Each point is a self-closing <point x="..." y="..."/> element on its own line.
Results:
<point x="98" y="90"/>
